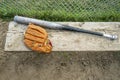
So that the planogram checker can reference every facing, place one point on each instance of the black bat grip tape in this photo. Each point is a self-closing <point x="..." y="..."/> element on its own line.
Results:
<point x="70" y="28"/>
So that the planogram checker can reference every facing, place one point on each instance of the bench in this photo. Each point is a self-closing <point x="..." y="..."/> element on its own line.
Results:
<point x="68" y="40"/>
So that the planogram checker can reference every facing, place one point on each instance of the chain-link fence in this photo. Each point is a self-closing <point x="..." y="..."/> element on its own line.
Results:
<point x="62" y="10"/>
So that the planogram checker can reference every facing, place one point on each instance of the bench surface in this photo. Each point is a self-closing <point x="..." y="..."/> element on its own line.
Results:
<point x="67" y="40"/>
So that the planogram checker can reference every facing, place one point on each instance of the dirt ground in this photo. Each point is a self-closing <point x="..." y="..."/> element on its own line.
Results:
<point x="58" y="65"/>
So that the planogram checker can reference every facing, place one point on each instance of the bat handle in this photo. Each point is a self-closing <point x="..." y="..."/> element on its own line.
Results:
<point x="70" y="28"/>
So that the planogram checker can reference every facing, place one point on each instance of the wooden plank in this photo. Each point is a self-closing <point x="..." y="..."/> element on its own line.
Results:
<point x="66" y="40"/>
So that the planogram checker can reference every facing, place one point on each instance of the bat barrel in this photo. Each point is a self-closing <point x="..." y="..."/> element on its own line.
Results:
<point x="26" y="20"/>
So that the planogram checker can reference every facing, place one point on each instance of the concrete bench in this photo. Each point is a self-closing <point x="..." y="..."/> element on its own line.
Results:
<point x="67" y="40"/>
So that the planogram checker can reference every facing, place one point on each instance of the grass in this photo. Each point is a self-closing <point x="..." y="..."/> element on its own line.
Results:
<point x="62" y="10"/>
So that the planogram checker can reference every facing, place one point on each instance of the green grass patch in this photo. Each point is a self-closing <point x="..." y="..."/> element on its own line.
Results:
<point x="78" y="10"/>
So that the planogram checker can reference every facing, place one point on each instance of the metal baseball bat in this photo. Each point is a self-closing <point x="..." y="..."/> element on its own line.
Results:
<point x="52" y="25"/>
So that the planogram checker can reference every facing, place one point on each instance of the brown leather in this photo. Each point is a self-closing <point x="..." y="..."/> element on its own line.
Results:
<point x="36" y="38"/>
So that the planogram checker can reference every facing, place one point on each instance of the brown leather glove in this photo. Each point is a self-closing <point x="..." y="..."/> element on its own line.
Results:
<point x="36" y="38"/>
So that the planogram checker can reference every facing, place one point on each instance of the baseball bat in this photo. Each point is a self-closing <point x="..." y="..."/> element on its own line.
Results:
<point x="53" y="25"/>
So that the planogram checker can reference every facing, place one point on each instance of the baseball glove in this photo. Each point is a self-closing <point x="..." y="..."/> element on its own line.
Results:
<point x="36" y="38"/>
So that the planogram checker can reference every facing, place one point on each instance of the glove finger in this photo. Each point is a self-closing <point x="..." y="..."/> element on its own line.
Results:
<point x="29" y="43"/>
<point x="40" y="29"/>
<point x="36" y="33"/>
<point x="34" y="38"/>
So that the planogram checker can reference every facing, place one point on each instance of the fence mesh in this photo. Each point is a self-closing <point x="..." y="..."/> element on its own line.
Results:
<point x="62" y="10"/>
